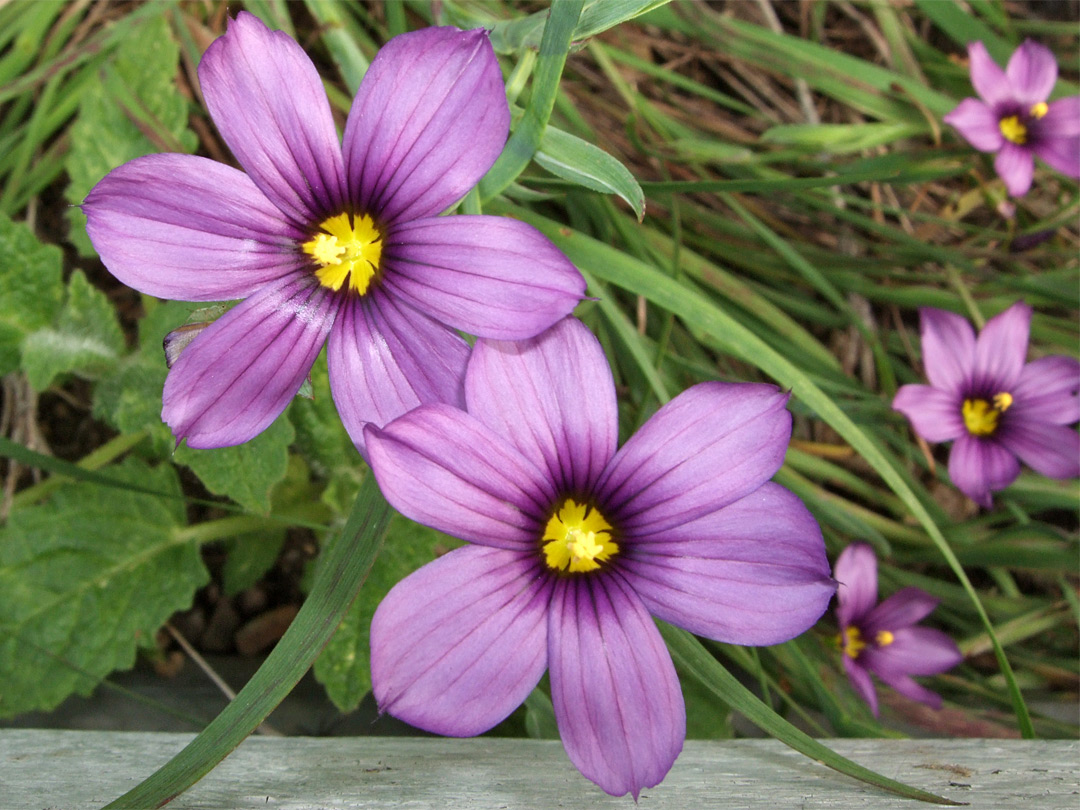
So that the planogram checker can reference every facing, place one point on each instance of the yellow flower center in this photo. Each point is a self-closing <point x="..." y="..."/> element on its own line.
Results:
<point x="1040" y="109"/>
<point x="981" y="417"/>
<point x="347" y="248"/>
<point x="1013" y="129"/>
<point x="577" y="538"/>
<point x="851" y="641"/>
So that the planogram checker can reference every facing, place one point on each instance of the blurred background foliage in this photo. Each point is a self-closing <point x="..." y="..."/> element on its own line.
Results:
<point x="754" y="191"/>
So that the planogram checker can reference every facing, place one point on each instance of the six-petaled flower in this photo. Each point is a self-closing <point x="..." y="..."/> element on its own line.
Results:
<point x="330" y="241"/>
<point x="1015" y="118"/>
<point x="882" y="638"/>
<point x="573" y="544"/>
<point x="996" y="410"/>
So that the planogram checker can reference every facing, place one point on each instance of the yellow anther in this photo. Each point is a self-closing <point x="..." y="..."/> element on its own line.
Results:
<point x="1040" y="109"/>
<point x="347" y="248"/>
<point x="884" y="638"/>
<point x="1002" y="401"/>
<point x="577" y="539"/>
<point x="980" y="417"/>
<point x="1013" y="129"/>
<point x="851" y="642"/>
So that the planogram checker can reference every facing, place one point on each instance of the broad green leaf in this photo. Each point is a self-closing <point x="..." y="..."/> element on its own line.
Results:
<point x="247" y="472"/>
<point x="571" y="158"/>
<point x="249" y="557"/>
<point x="31" y="287"/>
<point x="87" y="577"/>
<point x="344" y="667"/>
<point x="137" y="95"/>
<point x="344" y="565"/>
<point x="85" y="339"/>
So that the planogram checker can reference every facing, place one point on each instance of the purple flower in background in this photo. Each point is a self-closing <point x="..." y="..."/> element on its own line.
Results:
<point x="574" y="544"/>
<point x="1015" y="118"/>
<point x="998" y="410"/>
<point x="331" y="241"/>
<point x="883" y="639"/>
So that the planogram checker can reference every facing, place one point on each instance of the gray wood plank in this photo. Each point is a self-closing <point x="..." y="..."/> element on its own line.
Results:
<point x="57" y="770"/>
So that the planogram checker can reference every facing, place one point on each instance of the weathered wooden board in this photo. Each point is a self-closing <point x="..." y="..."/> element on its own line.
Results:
<point x="57" y="770"/>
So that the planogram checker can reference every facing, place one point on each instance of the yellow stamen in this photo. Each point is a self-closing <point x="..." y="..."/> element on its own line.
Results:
<point x="884" y="638"/>
<point x="347" y="248"/>
<point x="851" y="642"/>
<point x="981" y="417"/>
<point x="577" y="539"/>
<point x="1040" y="109"/>
<point x="1013" y="129"/>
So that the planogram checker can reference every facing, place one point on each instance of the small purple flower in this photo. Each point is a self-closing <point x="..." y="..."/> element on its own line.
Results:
<point x="1015" y="118"/>
<point x="998" y="410"/>
<point x="574" y="544"/>
<point x="883" y="639"/>
<point x="331" y="241"/>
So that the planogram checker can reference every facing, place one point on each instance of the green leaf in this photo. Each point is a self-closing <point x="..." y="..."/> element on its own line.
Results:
<point x="525" y="140"/>
<point x="85" y="339"/>
<point x="129" y="397"/>
<point x="247" y="472"/>
<point x="344" y="564"/>
<point x="344" y="667"/>
<point x="571" y="158"/>
<point x="31" y="287"/>
<point x="842" y="138"/>
<point x="85" y="578"/>
<point x="136" y="98"/>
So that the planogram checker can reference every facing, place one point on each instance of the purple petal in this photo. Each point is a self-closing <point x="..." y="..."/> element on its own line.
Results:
<point x="1048" y="391"/>
<point x="553" y="398"/>
<point x="493" y="277"/>
<point x="986" y="77"/>
<point x="856" y="573"/>
<point x="948" y="348"/>
<point x="239" y="374"/>
<point x="934" y="414"/>
<point x="1061" y="154"/>
<point x="909" y="689"/>
<point x="429" y="120"/>
<point x="1062" y="120"/>
<point x="190" y="229"/>
<point x="903" y="609"/>
<point x="1001" y="349"/>
<point x="861" y="680"/>
<point x="1051" y="450"/>
<point x="978" y="467"/>
<point x="443" y="468"/>
<point x="977" y="123"/>
<point x="268" y="103"/>
<point x="1015" y="165"/>
<point x="913" y="651"/>
<point x="616" y="695"/>
<point x="753" y="572"/>
<point x="708" y="447"/>
<point x="1032" y="72"/>
<point x="385" y="358"/>
<point x="459" y="644"/>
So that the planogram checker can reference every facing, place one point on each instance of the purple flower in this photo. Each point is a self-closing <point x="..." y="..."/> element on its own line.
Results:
<point x="883" y="639"/>
<point x="574" y="544"/>
<point x="998" y="410"/>
<point x="331" y="241"/>
<point x="1014" y="117"/>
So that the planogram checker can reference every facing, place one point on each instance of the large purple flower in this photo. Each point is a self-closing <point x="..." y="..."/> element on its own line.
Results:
<point x="997" y="410"/>
<point x="1015" y="119"/>
<point x="331" y="239"/>
<point x="575" y="544"/>
<point x="883" y="639"/>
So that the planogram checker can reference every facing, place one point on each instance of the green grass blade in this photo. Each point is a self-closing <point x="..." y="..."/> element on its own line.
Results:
<point x="691" y="657"/>
<point x="345" y="564"/>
